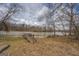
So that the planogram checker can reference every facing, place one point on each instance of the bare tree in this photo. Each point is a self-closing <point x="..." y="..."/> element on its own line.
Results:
<point x="12" y="9"/>
<point x="52" y="13"/>
<point x="73" y="27"/>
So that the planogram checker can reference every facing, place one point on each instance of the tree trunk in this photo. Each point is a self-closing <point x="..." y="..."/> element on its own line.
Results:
<point x="71" y="19"/>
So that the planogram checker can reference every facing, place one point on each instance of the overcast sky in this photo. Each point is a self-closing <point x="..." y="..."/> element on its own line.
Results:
<point x="32" y="13"/>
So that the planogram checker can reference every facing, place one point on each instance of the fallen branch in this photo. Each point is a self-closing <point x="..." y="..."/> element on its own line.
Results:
<point x="3" y="47"/>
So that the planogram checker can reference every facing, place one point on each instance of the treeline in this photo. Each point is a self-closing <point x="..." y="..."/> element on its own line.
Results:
<point x="22" y="27"/>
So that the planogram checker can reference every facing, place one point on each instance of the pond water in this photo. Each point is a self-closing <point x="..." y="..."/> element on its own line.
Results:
<point x="18" y="33"/>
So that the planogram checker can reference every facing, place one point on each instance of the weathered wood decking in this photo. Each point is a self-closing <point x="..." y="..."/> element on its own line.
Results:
<point x="30" y="38"/>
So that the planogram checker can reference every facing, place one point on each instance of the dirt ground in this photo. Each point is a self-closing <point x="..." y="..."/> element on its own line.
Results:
<point x="58" y="46"/>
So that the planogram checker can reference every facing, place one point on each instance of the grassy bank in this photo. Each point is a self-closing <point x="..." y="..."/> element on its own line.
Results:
<point x="43" y="46"/>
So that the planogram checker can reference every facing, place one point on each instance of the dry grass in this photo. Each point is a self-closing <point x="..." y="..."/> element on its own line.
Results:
<point x="44" y="46"/>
